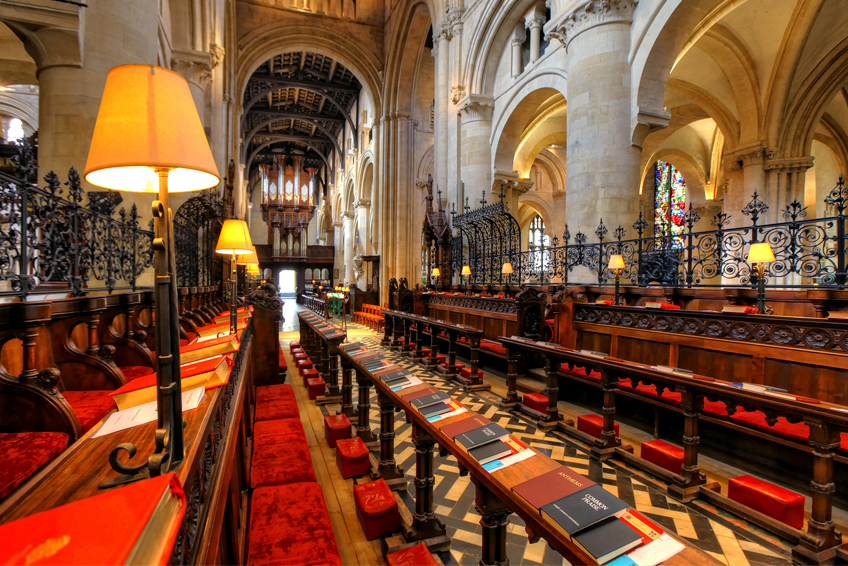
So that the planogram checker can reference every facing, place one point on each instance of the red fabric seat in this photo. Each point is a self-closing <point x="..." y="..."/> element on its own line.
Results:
<point x="275" y="402"/>
<point x="592" y="424"/>
<point x="133" y="372"/>
<point x="714" y="408"/>
<point x="417" y="555"/>
<point x="798" y="432"/>
<point x="280" y="454"/>
<point x="536" y="401"/>
<point x="23" y="453"/>
<point x="466" y="373"/>
<point x="282" y="359"/>
<point x="664" y="455"/>
<point x="581" y="372"/>
<point x="316" y="387"/>
<point x="376" y="508"/>
<point x="309" y="374"/>
<point x="89" y="406"/>
<point x="336" y="427"/>
<point x="289" y="524"/>
<point x="303" y="365"/>
<point x="352" y="457"/>
<point x="493" y="347"/>
<point x="778" y="503"/>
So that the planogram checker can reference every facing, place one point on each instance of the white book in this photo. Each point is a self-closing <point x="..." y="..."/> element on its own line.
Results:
<point x="656" y="551"/>
<point x="146" y="413"/>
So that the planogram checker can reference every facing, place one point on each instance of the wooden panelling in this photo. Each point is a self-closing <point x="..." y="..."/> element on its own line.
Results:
<point x="643" y="351"/>
<point x="594" y="341"/>
<point x="729" y="365"/>
<point x="808" y="380"/>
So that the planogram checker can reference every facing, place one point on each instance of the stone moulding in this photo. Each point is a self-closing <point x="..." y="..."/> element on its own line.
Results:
<point x="590" y="14"/>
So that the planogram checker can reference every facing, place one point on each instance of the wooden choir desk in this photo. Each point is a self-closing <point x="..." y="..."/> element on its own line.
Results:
<point x="214" y="473"/>
<point x="315" y="304"/>
<point x="494" y="498"/>
<point x="398" y="323"/>
<point x="323" y="352"/>
<point x="826" y="421"/>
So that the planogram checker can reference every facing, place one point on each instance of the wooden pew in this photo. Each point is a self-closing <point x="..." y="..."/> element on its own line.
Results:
<point x="117" y="328"/>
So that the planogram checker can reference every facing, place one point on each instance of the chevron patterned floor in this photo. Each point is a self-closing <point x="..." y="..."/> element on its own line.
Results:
<point x="728" y="538"/>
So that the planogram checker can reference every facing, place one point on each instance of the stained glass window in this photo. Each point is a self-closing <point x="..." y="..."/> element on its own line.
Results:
<point x="669" y="202"/>
<point x="538" y="242"/>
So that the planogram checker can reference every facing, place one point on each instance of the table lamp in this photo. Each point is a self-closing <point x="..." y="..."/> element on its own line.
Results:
<point x="253" y="271"/>
<point x="148" y="138"/>
<point x="234" y="241"/>
<point x="466" y="271"/>
<point x="436" y="273"/>
<point x="616" y="264"/>
<point x="761" y="253"/>
<point x="246" y="260"/>
<point x="506" y="270"/>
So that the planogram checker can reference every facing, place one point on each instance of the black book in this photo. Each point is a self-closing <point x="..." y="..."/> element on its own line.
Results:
<point x="428" y="400"/>
<point x="480" y="436"/>
<point x="433" y="410"/>
<point x="582" y="509"/>
<point x="395" y="375"/>
<point x="491" y="451"/>
<point x="607" y="539"/>
<point x="398" y="383"/>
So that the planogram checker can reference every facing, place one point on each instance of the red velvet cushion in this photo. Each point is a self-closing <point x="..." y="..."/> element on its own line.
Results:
<point x="781" y="504"/>
<point x="581" y="372"/>
<point x="592" y="424"/>
<point x="536" y="401"/>
<point x="664" y="455"/>
<point x="132" y="372"/>
<point x="300" y="356"/>
<point x="352" y="457"/>
<point x="89" y="406"/>
<point x="466" y="373"/>
<point x="336" y="427"/>
<point x="417" y="555"/>
<point x="493" y="347"/>
<point x="715" y="408"/>
<point x="280" y="454"/>
<point x="282" y="359"/>
<point x="376" y="508"/>
<point x="23" y="453"/>
<point x="289" y="524"/>
<point x="294" y="345"/>
<point x="182" y="342"/>
<point x="275" y="402"/>
<point x="782" y="428"/>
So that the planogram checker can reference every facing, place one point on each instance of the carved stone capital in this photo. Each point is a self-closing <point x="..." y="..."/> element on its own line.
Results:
<point x="194" y="66"/>
<point x="457" y="93"/>
<point x="518" y="37"/>
<point x="217" y="54"/>
<point x="338" y="223"/>
<point x="361" y="203"/>
<point x="53" y="31"/>
<point x="754" y="157"/>
<point x="444" y="33"/>
<point x="789" y="164"/>
<point x="589" y="14"/>
<point x="476" y="107"/>
<point x="347" y="215"/>
<point x="648" y="121"/>
<point x="533" y="23"/>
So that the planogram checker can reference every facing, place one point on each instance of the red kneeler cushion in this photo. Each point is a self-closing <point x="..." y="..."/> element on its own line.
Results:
<point x="592" y="424"/>
<point x="778" y="503"/>
<point x="664" y="455"/>
<point x="282" y="359"/>
<point x="492" y="347"/>
<point x="23" y="453"/>
<point x="316" y="386"/>
<point x="303" y="365"/>
<point x="417" y="555"/>
<point x="466" y="373"/>
<point x="289" y="524"/>
<point x="300" y="356"/>
<point x="280" y="454"/>
<point x="275" y="402"/>
<point x="352" y="457"/>
<point x="536" y="401"/>
<point x="376" y="508"/>
<point x="132" y="372"/>
<point x="336" y="427"/>
<point x="89" y="406"/>
<point x="309" y="374"/>
<point x="581" y="372"/>
<point x="294" y="345"/>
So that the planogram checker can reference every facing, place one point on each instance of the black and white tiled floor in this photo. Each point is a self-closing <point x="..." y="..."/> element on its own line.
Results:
<point x="728" y="538"/>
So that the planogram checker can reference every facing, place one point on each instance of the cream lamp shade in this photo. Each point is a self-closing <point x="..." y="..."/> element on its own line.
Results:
<point x="147" y="121"/>
<point x="466" y="270"/>
<point x="616" y="262"/>
<point x="436" y="272"/>
<point x="234" y="238"/>
<point x="253" y="268"/>
<point x="507" y="268"/>
<point x="760" y="253"/>
<point x="248" y="258"/>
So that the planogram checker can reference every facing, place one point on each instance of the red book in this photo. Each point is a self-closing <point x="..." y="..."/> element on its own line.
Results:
<point x="465" y="425"/>
<point x="134" y="524"/>
<point x="551" y="486"/>
<point x="213" y="347"/>
<point x="420" y="393"/>
<point x="646" y="528"/>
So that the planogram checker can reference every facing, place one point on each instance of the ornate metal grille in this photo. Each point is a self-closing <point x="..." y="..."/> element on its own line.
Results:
<point x="197" y="225"/>
<point x="488" y="237"/>
<point x="48" y="239"/>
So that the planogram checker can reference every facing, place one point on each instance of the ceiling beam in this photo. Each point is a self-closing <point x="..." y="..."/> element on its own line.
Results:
<point x="283" y="114"/>
<point x="303" y="83"/>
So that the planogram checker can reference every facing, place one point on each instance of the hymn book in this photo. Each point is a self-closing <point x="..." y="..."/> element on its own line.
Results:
<point x="491" y="451"/>
<point x="214" y="329"/>
<point x="455" y="429"/>
<point x="607" y="539"/>
<point x="134" y="524"/>
<point x="582" y="509"/>
<point x="208" y="374"/>
<point x="428" y="400"/>
<point x="551" y="486"/>
<point x="480" y="436"/>
<point x="218" y="346"/>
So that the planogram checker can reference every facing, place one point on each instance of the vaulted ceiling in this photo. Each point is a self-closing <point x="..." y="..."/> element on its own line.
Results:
<point x="296" y="104"/>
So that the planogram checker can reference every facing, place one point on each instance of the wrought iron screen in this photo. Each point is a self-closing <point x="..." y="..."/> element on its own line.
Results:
<point x="48" y="239"/>
<point x="197" y="225"/>
<point x="487" y="238"/>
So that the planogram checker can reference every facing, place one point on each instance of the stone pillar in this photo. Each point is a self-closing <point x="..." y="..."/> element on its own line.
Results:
<point x="534" y="22"/>
<point x="338" y="261"/>
<point x="517" y="41"/>
<point x="348" y="246"/>
<point x="603" y="167"/>
<point x="441" y="51"/>
<point x="361" y="209"/>
<point x="475" y="113"/>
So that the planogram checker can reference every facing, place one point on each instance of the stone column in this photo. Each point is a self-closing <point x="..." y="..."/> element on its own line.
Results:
<point x="475" y="113"/>
<point x="517" y="41"/>
<point x="338" y="261"/>
<point x="348" y="246"/>
<point x="361" y="208"/>
<point x="533" y="22"/>
<point x="441" y="51"/>
<point x="603" y="167"/>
